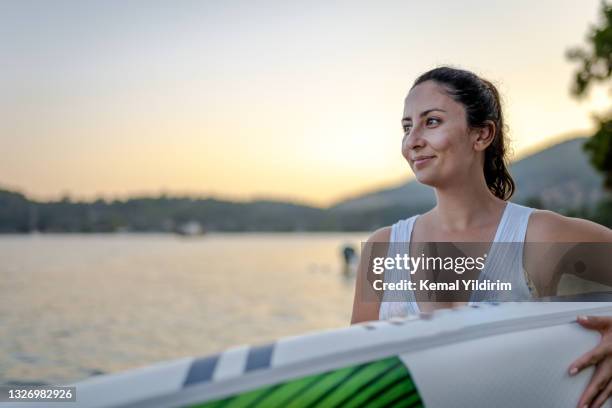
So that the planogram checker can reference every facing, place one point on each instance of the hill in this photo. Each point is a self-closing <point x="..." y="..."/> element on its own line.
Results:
<point x="559" y="178"/>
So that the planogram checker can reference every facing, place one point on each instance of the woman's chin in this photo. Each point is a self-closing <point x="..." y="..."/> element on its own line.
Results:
<point x="426" y="179"/>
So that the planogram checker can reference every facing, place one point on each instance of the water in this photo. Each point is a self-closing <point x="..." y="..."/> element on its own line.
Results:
<point x="72" y="306"/>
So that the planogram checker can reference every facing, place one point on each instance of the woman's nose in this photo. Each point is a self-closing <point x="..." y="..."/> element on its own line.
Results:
<point x="414" y="139"/>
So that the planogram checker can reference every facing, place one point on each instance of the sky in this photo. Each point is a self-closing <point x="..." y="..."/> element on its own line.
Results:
<point x="244" y="100"/>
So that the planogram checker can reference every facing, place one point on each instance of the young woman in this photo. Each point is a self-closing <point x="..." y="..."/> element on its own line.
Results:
<point x="454" y="141"/>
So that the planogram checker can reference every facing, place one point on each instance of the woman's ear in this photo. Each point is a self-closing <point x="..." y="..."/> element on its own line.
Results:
<point x="484" y="135"/>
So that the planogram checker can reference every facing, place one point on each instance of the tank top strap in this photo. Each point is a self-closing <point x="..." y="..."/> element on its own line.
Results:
<point x="399" y="241"/>
<point x="513" y="226"/>
<point x="401" y="231"/>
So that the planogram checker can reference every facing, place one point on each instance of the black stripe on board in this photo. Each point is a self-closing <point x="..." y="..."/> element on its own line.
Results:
<point x="259" y="357"/>
<point x="201" y="370"/>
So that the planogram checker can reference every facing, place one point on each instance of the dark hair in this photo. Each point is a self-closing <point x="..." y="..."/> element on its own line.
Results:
<point x="482" y="102"/>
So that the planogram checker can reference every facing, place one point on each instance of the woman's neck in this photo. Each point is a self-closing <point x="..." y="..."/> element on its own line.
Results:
<point x="466" y="207"/>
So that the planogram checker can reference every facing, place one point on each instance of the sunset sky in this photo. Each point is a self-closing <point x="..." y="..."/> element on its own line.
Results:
<point x="247" y="99"/>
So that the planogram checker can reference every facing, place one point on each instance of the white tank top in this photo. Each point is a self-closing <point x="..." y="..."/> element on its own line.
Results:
<point x="504" y="262"/>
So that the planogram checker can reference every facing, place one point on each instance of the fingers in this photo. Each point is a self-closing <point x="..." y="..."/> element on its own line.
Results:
<point x="591" y="358"/>
<point x="598" y="385"/>
<point x="595" y="322"/>
<point x="603" y="396"/>
<point x="599" y="388"/>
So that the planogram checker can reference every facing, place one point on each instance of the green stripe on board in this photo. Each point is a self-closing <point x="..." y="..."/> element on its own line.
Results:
<point x="379" y="397"/>
<point x="323" y="399"/>
<point x="402" y="402"/>
<point x="292" y="390"/>
<point x="328" y="382"/>
<point x="400" y="390"/>
<point x="368" y="377"/>
<point x="382" y="383"/>
<point x="399" y="374"/>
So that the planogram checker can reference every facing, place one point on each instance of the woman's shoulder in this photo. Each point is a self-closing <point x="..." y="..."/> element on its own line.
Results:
<point x="549" y="226"/>
<point x="382" y="234"/>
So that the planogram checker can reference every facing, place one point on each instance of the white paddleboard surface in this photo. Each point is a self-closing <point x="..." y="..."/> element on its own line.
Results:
<point x="490" y="355"/>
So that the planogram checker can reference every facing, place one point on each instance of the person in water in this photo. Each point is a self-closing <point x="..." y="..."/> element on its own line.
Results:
<point x="454" y="141"/>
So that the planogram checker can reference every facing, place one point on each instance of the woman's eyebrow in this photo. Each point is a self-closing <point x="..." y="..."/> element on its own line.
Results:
<point x="407" y="118"/>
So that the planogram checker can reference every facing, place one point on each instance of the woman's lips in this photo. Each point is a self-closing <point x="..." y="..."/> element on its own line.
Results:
<point x="423" y="162"/>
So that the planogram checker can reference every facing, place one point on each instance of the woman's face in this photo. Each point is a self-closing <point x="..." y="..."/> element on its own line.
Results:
<point x="435" y="125"/>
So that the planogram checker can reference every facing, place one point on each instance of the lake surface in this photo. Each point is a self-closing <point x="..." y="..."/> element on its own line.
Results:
<point x="72" y="306"/>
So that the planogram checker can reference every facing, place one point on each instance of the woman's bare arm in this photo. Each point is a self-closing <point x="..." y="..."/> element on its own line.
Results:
<point x="367" y="301"/>
<point x="575" y="246"/>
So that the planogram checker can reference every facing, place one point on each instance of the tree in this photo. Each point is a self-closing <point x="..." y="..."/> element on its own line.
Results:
<point x="596" y="66"/>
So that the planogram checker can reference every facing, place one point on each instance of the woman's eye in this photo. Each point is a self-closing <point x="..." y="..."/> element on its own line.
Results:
<point x="407" y="128"/>
<point x="436" y="121"/>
